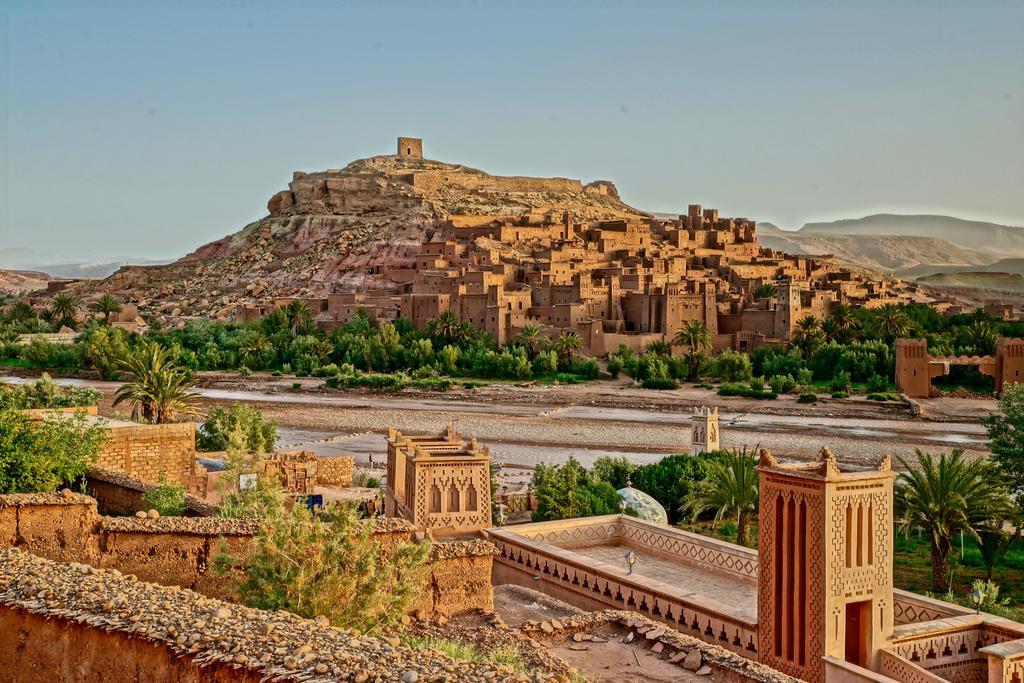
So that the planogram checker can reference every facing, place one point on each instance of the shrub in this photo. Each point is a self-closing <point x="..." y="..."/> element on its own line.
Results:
<point x="614" y="365"/>
<point x="728" y="529"/>
<point x="568" y="490"/>
<point x="883" y="396"/>
<point x="327" y="564"/>
<point x="45" y="393"/>
<point x="876" y="384"/>
<point x="585" y="368"/>
<point x="738" y="389"/>
<point x="168" y="498"/>
<point x="670" y="479"/>
<point x="840" y="383"/>
<point x="245" y="423"/>
<point x="807" y="397"/>
<point x="244" y="371"/>
<point x="37" y="457"/>
<point x="328" y="370"/>
<point x="732" y="366"/>
<point x="296" y="386"/>
<point x="434" y="383"/>
<point x="651" y="383"/>
<point x="804" y="376"/>
<point x="783" y="384"/>
<point x="757" y="384"/>
<point x="615" y="471"/>
<point x="840" y="394"/>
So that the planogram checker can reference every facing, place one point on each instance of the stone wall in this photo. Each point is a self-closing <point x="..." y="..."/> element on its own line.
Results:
<point x="119" y="494"/>
<point x="433" y="180"/>
<point x="335" y="471"/>
<point x="62" y="622"/>
<point x="179" y="551"/>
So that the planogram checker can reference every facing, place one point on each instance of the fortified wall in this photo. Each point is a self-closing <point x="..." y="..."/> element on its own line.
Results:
<point x="62" y="622"/>
<point x="180" y="551"/>
<point x="915" y="368"/>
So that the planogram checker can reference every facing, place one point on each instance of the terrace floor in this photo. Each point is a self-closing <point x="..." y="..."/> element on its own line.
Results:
<point x="740" y="596"/>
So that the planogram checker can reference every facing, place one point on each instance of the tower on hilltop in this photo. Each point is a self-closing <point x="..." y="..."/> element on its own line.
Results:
<point x="410" y="147"/>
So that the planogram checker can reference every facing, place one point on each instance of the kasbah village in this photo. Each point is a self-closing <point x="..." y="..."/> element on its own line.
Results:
<point x="423" y="423"/>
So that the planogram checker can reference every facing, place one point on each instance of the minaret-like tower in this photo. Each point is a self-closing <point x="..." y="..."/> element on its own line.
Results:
<point x="705" y="430"/>
<point x="825" y="547"/>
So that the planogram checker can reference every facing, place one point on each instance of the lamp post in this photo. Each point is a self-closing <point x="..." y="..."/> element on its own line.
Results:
<point x="977" y="597"/>
<point x="630" y="561"/>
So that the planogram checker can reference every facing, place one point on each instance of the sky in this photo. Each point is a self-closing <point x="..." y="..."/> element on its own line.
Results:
<point x="145" y="130"/>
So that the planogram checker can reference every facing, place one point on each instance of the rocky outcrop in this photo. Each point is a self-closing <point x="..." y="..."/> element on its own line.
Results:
<point x="343" y="229"/>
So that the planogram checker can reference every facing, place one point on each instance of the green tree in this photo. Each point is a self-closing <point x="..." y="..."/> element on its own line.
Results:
<point x="731" y="488"/>
<point x="696" y="339"/>
<point x="808" y="335"/>
<point x="254" y="349"/>
<point x="658" y="348"/>
<point x="257" y="435"/>
<point x="892" y="323"/>
<point x="765" y="291"/>
<point x="448" y="328"/>
<point x="567" y="491"/>
<point x="299" y="313"/>
<point x="105" y="350"/>
<point x="328" y="564"/>
<point x="533" y="338"/>
<point x="615" y="471"/>
<point x="63" y="310"/>
<point x="948" y="495"/>
<point x="37" y="457"/>
<point x="670" y="479"/>
<point x="158" y="390"/>
<point x="567" y="345"/>
<point x="978" y="338"/>
<point x="107" y="305"/>
<point x="1006" y="435"/>
<point x="842" y="324"/>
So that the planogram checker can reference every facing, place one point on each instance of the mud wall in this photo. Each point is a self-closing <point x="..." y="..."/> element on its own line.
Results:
<point x="336" y="471"/>
<point x="179" y="551"/>
<point x="35" y="648"/>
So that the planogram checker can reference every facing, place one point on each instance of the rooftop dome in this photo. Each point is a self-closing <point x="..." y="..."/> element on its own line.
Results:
<point x="645" y="506"/>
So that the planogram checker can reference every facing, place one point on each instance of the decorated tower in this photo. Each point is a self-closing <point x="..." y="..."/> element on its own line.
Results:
<point x="826" y="553"/>
<point x="705" y="430"/>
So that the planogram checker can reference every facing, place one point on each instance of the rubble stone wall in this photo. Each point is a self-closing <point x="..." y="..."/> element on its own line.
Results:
<point x="180" y="551"/>
<point x="335" y="471"/>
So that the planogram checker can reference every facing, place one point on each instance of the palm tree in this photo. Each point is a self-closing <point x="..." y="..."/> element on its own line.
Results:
<point x="567" y="345"/>
<point x="980" y="335"/>
<point x="730" y="487"/>
<point x="63" y="309"/>
<point x="695" y="337"/>
<point x="299" y="313"/>
<point x="159" y="388"/>
<point x="107" y="305"/>
<point x="765" y="291"/>
<point x="893" y="322"/>
<point x="533" y="338"/>
<point x="842" y="324"/>
<point x="254" y="347"/>
<point x="947" y="496"/>
<point x="659" y="348"/>
<point x="808" y="335"/>
<point x="448" y="327"/>
<point x="21" y="311"/>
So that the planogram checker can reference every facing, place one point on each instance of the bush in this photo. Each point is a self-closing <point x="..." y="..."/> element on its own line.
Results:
<point x="876" y="384"/>
<point x="757" y="384"/>
<point x="168" y="498"/>
<point x="568" y="491"/>
<point x="434" y="383"/>
<point x="732" y="366"/>
<point x="807" y="397"/>
<point x="783" y="384"/>
<point x="660" y="384"/>
<point x="614" y="366"/>
<point x="737" y="389"/>
<point x="670" y="479"/>
<point x="244" y="371"/>
<point x="804" y="376"/>
<point x="328" y="370"/>
<point x="45" y="393"/>
<point x="37" y="457"/>
<point x="728" y="529"/>
<point x="883" y="396"/>
<point x="840" y="394"/>
<point x="840" y="383"/>
<point x="244" y="423"/>
<point x="327" y="564"/>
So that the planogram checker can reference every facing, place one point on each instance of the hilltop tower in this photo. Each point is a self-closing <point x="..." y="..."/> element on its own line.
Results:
<point x="826" y="553"/>
<point x="705" y="430"/>
<point x="410" y="147"/>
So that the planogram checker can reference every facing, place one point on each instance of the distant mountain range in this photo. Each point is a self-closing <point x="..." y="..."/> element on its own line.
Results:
<point x="912" y="247"/>
<point x="26" y="259"/>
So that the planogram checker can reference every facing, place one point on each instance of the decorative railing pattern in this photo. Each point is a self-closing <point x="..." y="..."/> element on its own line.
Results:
<point x="696" y="615"/>
<point x="911" y="608"/>
<point x="1006" y="660"/>
<point x="895" y="667"/>
<point x="956" y="648"/>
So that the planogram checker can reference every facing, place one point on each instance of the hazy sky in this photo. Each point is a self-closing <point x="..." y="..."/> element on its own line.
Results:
<point x="149" y="129"/>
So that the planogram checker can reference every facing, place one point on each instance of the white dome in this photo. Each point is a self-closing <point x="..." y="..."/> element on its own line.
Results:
<point x="645" y="506"/>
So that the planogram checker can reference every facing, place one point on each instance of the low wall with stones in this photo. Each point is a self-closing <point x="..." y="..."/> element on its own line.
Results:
<point x="180" y="551"/>
<point x="117" y="493"/>
<point x="335" y="471"/>
<point x="61" y="622"/>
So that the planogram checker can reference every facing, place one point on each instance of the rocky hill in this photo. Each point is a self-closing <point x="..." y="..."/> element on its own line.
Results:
<point x="337" y="227"/>
<point x="17" y="282"/>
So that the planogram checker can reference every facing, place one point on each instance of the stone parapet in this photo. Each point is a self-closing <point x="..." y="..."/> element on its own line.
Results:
<point x="335" y="471"/>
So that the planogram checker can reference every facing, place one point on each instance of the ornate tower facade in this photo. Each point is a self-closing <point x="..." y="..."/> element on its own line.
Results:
<point x="826" y="552"/>
<point x="704" y="438"/>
